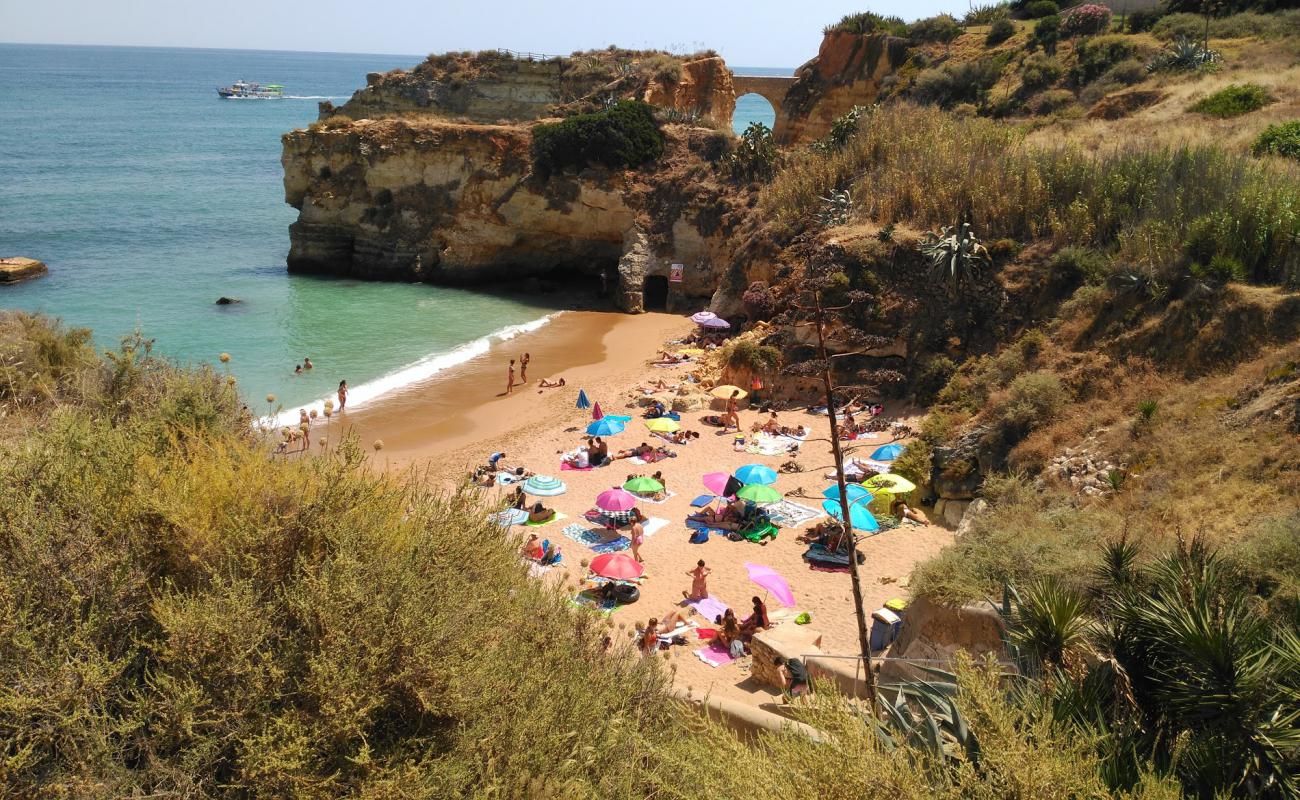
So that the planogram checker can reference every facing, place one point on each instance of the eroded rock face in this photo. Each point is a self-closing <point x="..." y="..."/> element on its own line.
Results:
<point x="704" y="89"/>
<point x="849" y="70"/>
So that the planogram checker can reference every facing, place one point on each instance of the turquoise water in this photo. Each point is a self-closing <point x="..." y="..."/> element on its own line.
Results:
<point x="754" y="108"/>
<point x="150" y="197"/>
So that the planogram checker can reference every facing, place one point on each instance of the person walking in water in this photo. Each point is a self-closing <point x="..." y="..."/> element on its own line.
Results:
<point x="343" y="395"/>
<point x="523" y="368"/>
<point x="510" y="378"/>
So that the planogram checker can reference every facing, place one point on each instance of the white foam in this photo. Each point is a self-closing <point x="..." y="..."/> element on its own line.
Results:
<point x="411" y="374"/>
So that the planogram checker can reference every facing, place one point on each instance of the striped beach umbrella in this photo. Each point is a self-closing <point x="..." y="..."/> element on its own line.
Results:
<point x="544" y="486"/>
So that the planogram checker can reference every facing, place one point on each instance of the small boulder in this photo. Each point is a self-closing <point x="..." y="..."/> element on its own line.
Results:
<point x="17" y="268"/>
<point x="228" y="301"/>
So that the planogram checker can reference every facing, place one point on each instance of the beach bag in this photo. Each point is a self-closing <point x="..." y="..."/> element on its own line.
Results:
<point x="803" y="619"/>
<point x="737" y="648"/>
<point x="699" y="537"/>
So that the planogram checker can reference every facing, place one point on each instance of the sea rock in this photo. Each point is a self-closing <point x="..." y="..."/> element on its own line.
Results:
<point x="17" y="268"/>
<point x="228" y="301"/>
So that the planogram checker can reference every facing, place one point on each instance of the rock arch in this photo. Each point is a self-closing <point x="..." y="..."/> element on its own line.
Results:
<point x="772" y="89"/>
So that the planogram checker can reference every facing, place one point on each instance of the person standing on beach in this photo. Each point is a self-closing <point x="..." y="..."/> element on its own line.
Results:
<point x="699" y="582"/>
<point x="732" y="417"/>
<point x="510" y="379"/>
<point x="523" y="368"/>
<point x="343" y="395"/>
<point x="637" y="534"/>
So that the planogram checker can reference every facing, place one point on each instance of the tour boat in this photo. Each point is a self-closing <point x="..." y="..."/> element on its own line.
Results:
<point x="242" y="90"/>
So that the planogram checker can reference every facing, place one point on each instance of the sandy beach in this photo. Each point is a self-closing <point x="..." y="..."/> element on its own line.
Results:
<point x="451" y="424"/>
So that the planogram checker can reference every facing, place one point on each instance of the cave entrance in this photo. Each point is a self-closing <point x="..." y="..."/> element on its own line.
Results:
<point x="655" y="293"/>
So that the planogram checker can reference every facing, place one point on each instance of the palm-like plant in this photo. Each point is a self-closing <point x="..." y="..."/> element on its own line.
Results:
<point x="1050" y="620"/>
<point x="955" y="254"/>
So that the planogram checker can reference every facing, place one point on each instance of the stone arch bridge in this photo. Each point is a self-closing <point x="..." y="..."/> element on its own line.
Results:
<point x="771" y="88"/>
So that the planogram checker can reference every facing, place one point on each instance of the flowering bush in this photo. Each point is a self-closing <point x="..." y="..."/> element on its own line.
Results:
<point x="1086" y="20"/>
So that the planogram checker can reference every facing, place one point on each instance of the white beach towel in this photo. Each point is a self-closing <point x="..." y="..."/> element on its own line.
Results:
<point x="653" y="524"/>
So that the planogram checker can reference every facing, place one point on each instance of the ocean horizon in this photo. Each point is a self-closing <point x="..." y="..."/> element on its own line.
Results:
<point x="149" y="197"/>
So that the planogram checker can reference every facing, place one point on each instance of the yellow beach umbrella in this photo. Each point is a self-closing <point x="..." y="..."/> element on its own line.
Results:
<point x="889" y="482"/>
<point x="690" y="351"/>
<point x="663" y="425"/>
<point x="725" y="391"/>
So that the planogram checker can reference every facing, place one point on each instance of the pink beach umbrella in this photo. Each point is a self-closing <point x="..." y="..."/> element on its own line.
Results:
<point x="772" y="581"/>
<point x="616" y="500"/>
<point x="616" y="566"/>
<point x="596" y="413"/>
<point x="716" y="482"/>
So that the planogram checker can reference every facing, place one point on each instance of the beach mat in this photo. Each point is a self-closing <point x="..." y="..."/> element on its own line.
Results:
<point x="696" y="525"/>
<point x="667" y="497"/>
<point x="702" y="501"/>
<point x="567" y="467"/>
<point x="559" y="515"/>
<point x="714" y="656"/>
<point x="597" y="540"/>
<point x="710" y="607"/>
<point x="790" y="514"/>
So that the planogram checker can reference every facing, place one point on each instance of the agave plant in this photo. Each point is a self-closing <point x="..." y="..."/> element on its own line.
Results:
<point x="837" y="206"/>
<point x="1184" y="55"/>
<point x="955" y="254"/>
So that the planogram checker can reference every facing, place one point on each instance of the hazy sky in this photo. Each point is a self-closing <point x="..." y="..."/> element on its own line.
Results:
<point x="781" y="33"/>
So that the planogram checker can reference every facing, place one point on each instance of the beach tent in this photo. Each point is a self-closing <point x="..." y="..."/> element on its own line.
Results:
<point x="583" y="402"/>
<point x="756" y="473"/>
<point x="887" y="452"/>
<point x="605" y="426"/>
<point x="859" y="516"/>
<point x="707" y="319"/>
<point x="544" y="486"/>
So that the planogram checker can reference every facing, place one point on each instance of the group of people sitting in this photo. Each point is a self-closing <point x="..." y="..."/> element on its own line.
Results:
<point x="773" y="427"/>
<point x="734" y="516"/>
<point x="595" y="453"/>
<point x="544" y="552"/>
<point x="537" y="512"/>
<point x="492" y="475"/>
<point x="658" y="476"/>
<point x="734" y="635"/>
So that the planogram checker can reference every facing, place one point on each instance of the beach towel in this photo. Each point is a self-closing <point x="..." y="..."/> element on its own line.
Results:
<point x="682" y="629"/>
<point x="710" y="607"/>
<point x="714" y="655"/>
<point x="702" y="501"/>
<point x="667" y="495"/>
<point x="601" y="605"/>
<point x="790" y="514"/>
<point x="536" y="570"/>
<point x="696" y="525"/>
<point x="559" y="515"/>
<point x="596" y="539"/>
<point x="652" y="525"/>
<point x="507" y="478"/>
<point x="567" y="467"/>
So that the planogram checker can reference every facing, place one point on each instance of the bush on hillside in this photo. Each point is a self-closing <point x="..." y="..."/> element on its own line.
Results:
<point x="1039" y="70"/>
<point x="1001" y="30"/>
<point x="1125" y="73"/>
<point x="1185" y="55"/>
<point x="987" y="15"/>
<point x="964" y="82"/>
<point x="943" y="29"/>
<point x="1081" y="265"/>
<point x="1270" y="557"/>
<point x="1141" y="20"/>
<point x="1032" y="400"/>
<point x="1233" y="101"/>
<point x="1051" y="101"/>
<point x="1047" y="32"/>
<point x="866" y="23"/>
<point x="1282" y="139"/>
<point x="1086" y="20"/>
<point x="755" y="155"/>
<point x="1221" y="269"/>
<point x="1096" y="55"/>
<point x="1037" y="9"/>
<point x="625" y="135"/>
<point x="746" y="354"/>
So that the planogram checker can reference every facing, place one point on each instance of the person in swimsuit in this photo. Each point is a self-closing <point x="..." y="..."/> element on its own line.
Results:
<point x="699" y="582"/>
<point x="306" y="363"/>
<point x="523" y="368"/>
<point x="343" y="395"/>
<point x="650" y="637"/>
<point x="533" y="548"/>
<point x="731" y="419"/>
<point x="637" y="534"/>
<point x="757" y="621"/>
<point x="510" y="379"/>
<point x="297" y="369"/>
<point x="540" y="513"/>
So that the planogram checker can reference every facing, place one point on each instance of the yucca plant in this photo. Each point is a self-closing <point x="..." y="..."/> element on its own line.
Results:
<point x="1049" y="621"/>
<point x="955" y="254"/>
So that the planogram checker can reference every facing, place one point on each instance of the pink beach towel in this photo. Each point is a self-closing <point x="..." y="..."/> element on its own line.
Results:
<point x="710" y="607"/>
<point x="567" y="467"/>
<point x="714" y="656"/>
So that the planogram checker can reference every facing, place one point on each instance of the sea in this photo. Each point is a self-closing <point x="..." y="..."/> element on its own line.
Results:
<point x="149" y="197"/>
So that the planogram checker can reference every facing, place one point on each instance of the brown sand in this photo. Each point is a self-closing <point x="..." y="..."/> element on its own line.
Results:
<point x="452" y="423"/>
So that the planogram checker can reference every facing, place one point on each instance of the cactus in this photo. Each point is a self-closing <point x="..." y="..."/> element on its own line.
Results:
<point x="955" y="254"/>
<point x="837" y="207"/>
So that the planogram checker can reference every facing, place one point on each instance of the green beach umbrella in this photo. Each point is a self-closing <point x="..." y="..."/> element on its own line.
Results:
<point x="758" y="493"/>
<point x="643" y="485"/>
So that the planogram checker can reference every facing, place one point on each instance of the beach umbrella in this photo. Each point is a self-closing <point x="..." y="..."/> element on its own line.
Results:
<point x="758" y="493"/>
<point x="856" y="492"/>
<point x="716" y="482"/>
<point x="616" y="500"/>
<point x="756" y="473"/>
<point x="596" y="413"/>
<point x="887" y="452"/>
<point x="618" y="418"/>
<point x="707" y="319"/>
<point x="772" y="581"/>
<point x="511" y="516"/>
<point x="724" y="392"/>
<point x="859" y="516"/>
<point x="544" y="486"/>
<point x="643" y="485"/>
<point x="663" y="425"/>
<point x="889" y="482"/>
<point x="604" y="427"/>
<point x="583" y="402"/>
<point x="617" y="566"/>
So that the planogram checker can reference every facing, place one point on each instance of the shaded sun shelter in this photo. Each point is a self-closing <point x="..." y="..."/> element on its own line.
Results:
<point x="772" y="581"/>
<point x="605" y="426"/>
<point x="643" y="485"/>
<point x="859" y="516"/>
<point x="616" y="566"/>
<point x="756" y="473"/>
<point x="544" y="486"/>
<point x="707" y="319"/>
<point x="889" y="482"/>
<point x="716" y="483"/>
<point x="726" y="390"/>
<point x="760" y="494"/>
<point x="856" y="493"/>
<point x="663" y="425"/>
<point x="887" y="452"/>
<point x="616" y="500"/>
<point x="511" y="516"/>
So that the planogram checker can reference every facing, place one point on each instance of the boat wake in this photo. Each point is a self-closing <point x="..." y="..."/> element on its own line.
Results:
<point x="315" y="97"/>
<point x="422" y="370"/>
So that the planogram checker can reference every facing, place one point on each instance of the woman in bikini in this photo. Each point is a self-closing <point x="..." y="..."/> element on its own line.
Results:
<point x="343" y="395"/>
<point x="699" y="582"/>
<point x="637" y="534"/>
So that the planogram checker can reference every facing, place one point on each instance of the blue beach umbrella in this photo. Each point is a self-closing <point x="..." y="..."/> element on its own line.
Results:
<point x="583" y="402"/>
<point x="855" y="491"/>
<point x="756" y="473"/>
<point x="858" y="514"/>
<point x="605" y="426"/>
<point x="887" y="452"/>
<point x="618" y="418"/>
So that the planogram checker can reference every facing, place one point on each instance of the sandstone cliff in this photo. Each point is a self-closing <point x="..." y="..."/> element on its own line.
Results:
<point x="849" y="70"/>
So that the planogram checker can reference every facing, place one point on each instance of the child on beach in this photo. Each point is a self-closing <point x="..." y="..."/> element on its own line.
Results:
<point x="699" y="582"/>
<point x="343" y="395"/>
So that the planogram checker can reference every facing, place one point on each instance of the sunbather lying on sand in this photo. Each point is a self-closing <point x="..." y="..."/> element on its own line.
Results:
<point x="545" y="384"/>
<point x="540" y="513"/>
<point x="666" y="357"/>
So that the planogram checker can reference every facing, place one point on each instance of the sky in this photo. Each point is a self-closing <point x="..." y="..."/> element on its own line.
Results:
<point x="767" y="33"/>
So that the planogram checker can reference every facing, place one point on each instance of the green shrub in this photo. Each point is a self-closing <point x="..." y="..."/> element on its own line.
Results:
<point x="1142" y="20"/>
<point x="1001" y="30"/>
<point x="1282" y="139"/>
<point x="755" y="155"/>
<point x="1221" y="269"/>
<point x="1033" y="400"/>
<point x="1125" y="73"/>
<point x="914" y="462"/>
<point x="943" y="29"/>
<point x="1098" y="54"/>
<point x="1269" y="554"/>
<point x="931" y="377"/>
<point x="1088" y="19"/>
<point x="866" y="23"/>
<point x="1052" y="100"/>
<point x="1081" y="264"/>
<point x="1233" y="101"/>
<point x="1039" y="71"/>
<point x="987" y="15"/>
<point x="1047" y="32"/>
<point x="625" y="135"/>
<point x="965" y="82"/>
<point x="1038" y="9"/>
<point x="747" y="354"/>
<point x="1179" y="26"/>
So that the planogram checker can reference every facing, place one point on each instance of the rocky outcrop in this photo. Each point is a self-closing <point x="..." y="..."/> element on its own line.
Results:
<point x="704" y="89"/>
<point x="849" y="70"/>
<point x="18" y="268"/>
<point x="933" y="634"/>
